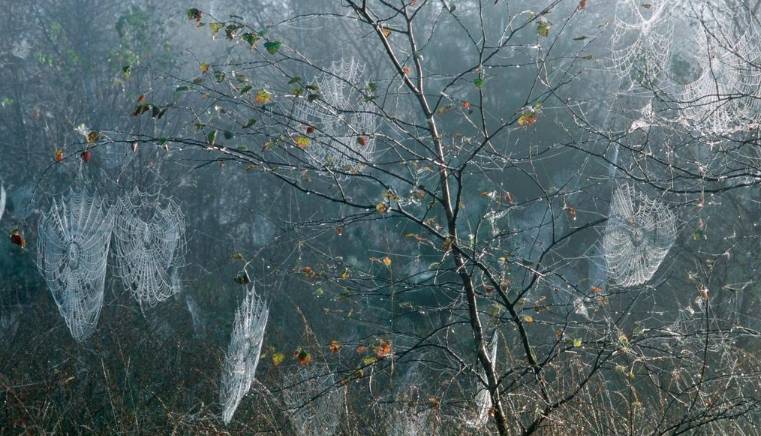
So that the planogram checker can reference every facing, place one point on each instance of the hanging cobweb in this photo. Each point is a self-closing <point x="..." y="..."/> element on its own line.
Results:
<point x="409" y="418"/>
<point x="149" y="245"/>
<point x="243" y="352"/>
<point x="642" y="37"/>
<point x="483" y="397"/>
<point x="343" y="121"/>
<point x="2" y="200"/>
<point x="72" y="252"/>
<point x="313" y="401"/>
<point x="639" y="233"/>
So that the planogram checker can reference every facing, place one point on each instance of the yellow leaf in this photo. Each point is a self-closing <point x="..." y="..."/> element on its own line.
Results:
<point x="278" y="358"/>
<point x="204" y="68"/>
<point x="527" y="118"/>
<point x="93" y="137"/>
<point x="387" y="261"/>
<point x="528" y="319"/>
<point x="301" y="141"/>
<point x="369" y="360"/>
<point x="263" y="97"/>
<point x="381" y="207"/>
<point x="385" y="31"/>
<point x="577" y="343"/>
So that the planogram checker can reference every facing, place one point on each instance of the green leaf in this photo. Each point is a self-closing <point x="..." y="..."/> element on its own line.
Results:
<point x="220" y="76"/>
<point x="194" y="14"/>
<point x="212" y="137"/>
<point x="580" y="38"/>
<point x="231" y="29"/>
<point x="272" y="47"/>
<point x="249" y="123"/>
<point x="543" y="27"/>
<point x="295" y="79"/>
<point x="216" y="27"/>
<point x="479" y="82"/>
<point x="250" y="38"/>
<point x="228" y="134"/>
<point x="182" y="88"/>
<point x="245" y="89"/>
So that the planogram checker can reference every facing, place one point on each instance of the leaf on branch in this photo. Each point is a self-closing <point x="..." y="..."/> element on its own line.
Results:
<point x="272" y="47"/>
<point x="301" y="141"/>
<point x="250" y="38"/>
<point x="204" y="67"/>
<point x="277" y="359"/>
<point x="93" y="137"/>
<point x="215" y="28"/>
<point x="543" y="27"/>
<point x="304" y="357"/>
<point x="263" y="97"/>
<point x="334" y="346"/>
<point x="528" y="117"/>
<point x="384" y="348"/>
<point x="194" y="14"/>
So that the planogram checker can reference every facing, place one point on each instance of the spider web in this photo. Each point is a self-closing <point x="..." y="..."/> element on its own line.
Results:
<point x="483" y="397"/>
<point x="149" y="245"/>
<point x="314" y="400"/>
<point x="72" y="253"/>
<point x="340" y="117"/>
<point x="243" y="352"/>
<point x="642" y="37"/>
<point x="638" y="235"/>
<point x="2" y="200"/>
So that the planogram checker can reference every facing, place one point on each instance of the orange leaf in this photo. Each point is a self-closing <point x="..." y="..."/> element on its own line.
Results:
<point x="383" y="349"/>
<point x="334" y="346"/>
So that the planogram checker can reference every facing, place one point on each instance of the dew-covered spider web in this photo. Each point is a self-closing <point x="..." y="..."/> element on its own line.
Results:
<point x="149" y="245"/>
<point x="243" y="352"/>
<point x="642" y="37"/>
<point x="72" y="253"/>
<point x="639" y="233"/>
<point x="343" y="122"/>
<point x="2" y="199"/>
<point x="314" y="403"/>
<point x="483" y="397"/>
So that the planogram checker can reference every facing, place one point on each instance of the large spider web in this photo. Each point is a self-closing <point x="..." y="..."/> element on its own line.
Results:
<point x="314" y="401"/>
<point x="344" y="123"/>
<point x="639" y="233"/>
<point x="642" y="37"/>
<point x="243" y="353"/>
<point x="149" y="245"/>
<point x="483" y="397"/>
<point x="72" y="253"/>
<point x="724" y="98"/>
